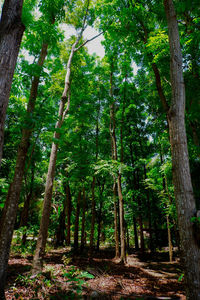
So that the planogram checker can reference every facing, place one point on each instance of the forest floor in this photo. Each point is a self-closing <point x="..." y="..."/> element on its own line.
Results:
<point x="74" y="276"/>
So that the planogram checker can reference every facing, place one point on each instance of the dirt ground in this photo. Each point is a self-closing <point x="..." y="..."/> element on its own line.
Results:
<point x="143" y="277"/>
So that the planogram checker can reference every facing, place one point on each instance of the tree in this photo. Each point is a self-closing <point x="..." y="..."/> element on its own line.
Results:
<point x="11" y="32"/>
<point x="183" y="190"/>
<point x="42" y="237"/>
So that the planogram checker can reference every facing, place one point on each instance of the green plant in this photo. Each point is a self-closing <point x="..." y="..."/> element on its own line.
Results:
<point x="195" y="220"/>
<point x="181" y="277"/>
<point x="76" y="279"/>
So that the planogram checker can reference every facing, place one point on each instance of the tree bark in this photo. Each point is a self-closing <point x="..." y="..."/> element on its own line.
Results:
<point x="183" y="190"/>
<point x="76" y="229"/>
<point x="11" y="32"/>
<point x="10" y="208"/>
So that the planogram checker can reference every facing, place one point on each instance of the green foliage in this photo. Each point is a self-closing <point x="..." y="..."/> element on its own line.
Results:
<point x="76" y="279"/>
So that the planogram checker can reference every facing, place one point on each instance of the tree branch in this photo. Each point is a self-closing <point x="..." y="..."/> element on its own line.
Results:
<point x="89" y="40"/>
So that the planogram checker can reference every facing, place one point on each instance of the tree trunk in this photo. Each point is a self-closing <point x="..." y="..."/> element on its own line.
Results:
<point x="141" y="229"/>
<point x="99" y="224"/>
<point x="100" y="215"/>
<point x="169" y="240"/>
<point x="128" y="239"/>
<point x="183" y="190"/>
<point x="151" y="245"/>
<point x="11" y="31"/>
<point x="43" y="232"/>
<point x="135" y="234"/>
<point x="121" y="200"/>
<point x="60" y="233"/>
<point x="93" y="217"/>
<point x="121" y="215"/>
<point x="83" y="222"/>
<point x="76" y="229"/>
<point x="24" y="214"/>
<point x="10" y="208"/>
<point x="69" y="211"/>
<point x="116" y="221"/>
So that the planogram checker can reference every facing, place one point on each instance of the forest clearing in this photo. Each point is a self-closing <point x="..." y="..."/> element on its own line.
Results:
<point x="99" y="149"/>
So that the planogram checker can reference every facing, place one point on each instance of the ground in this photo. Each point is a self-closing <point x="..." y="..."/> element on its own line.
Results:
<point x="73" y="276"/>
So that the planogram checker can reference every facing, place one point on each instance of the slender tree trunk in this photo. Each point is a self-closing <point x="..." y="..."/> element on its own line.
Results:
<point x="11" y="31"/>
<point x="140" y="216"/>
<point x="76" y="229"/>
<point x="128" y="239"/>
<point x="166" y="190"/>
<point x="93" y="217"/>
<point x="116" y="221"/>
<point x="151" y="246"/>
<point x="121" y="200"/>
<point x="121" y="214"/>
<point x="99" y="224"/>
<point x="101" y="189"/>
<point x="141" y="228"/>
<point x="169" y="240"/>
<point x="25" y="211"/>
<point x="135" y="234"/>
<point x="60" y="233"/>
<point x="83" y="222"/>
<point x="10" y="208"/>
<point x="69" y="211"/>
<point x="43" y="232"/>
<point x="119" y="189"/>
<point x="183" y="190"/>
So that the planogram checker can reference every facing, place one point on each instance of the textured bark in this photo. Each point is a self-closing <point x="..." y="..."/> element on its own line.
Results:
<point x="11" y="31"/>
<point x="83" y="222"/>
<point x="69" y="211"/>
<point x="10" y="208"/>
<point x="76" y="229"/>
<point x="183" y="190"/>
